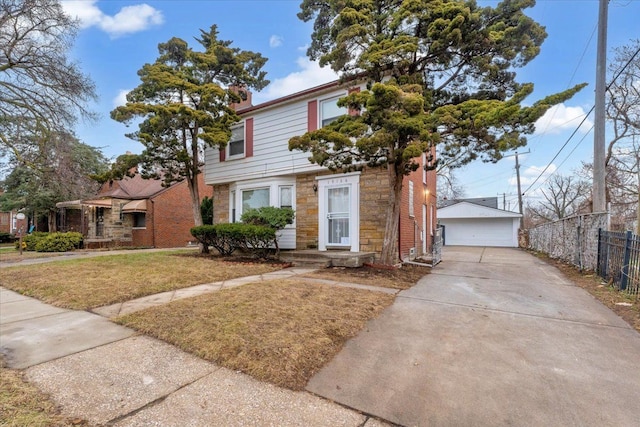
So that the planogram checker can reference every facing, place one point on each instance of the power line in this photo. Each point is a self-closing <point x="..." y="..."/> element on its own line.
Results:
<point x="583" y="120"/>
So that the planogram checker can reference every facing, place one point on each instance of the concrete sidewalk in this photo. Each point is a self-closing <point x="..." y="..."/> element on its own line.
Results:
<point x="109" y="375"/>
<point x="492" y="337"/>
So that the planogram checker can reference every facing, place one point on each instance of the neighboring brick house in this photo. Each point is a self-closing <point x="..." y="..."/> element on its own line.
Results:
<point x="8" y="221"/>
<point x="334" y="211"/>
<point x="133" y="212"/>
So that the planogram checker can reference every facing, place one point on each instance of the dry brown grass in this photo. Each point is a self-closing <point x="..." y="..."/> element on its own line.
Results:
<point x="94" y="282"/>
<point x="278" y="331"/>
<point x="397" y="278"/>
<point x="22" y="404"/>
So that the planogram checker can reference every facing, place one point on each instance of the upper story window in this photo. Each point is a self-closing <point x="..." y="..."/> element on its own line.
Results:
<point x="329" y="110"/>
<point x="236" y="143"/>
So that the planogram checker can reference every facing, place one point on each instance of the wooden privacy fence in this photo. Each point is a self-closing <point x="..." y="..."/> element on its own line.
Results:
<point x="619" y="260"/>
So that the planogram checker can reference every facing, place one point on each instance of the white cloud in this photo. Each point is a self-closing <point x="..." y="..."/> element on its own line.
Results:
<point x="130" y="19"/>
<point x="560" y="118"/>
<point x="530" y="174"/>
<point x="121" y="98"/>
<point x="275" y="41"/>
<point x="310" y="75"/>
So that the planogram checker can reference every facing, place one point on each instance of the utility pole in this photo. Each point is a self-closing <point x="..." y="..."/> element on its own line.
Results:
<point x="519" y="191"/>
<point x="599" y="197"/>
<point x="520" y="210"/>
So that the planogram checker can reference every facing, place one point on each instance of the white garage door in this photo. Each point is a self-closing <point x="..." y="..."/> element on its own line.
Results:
<point x="479" y="232"/>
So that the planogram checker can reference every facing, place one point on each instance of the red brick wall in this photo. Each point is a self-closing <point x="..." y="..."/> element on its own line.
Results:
<point x="170" y="217"/>
<point x="411" y="227"/>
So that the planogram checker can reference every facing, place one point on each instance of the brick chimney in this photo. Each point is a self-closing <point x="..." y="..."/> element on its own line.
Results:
<point x="245" y="94"/>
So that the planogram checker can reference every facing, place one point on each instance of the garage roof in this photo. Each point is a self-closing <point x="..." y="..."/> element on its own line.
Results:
<point x="472" y="210"/>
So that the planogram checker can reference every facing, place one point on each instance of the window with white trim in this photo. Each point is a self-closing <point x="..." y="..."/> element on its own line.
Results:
<point x="232" y="205"/>
<point x="243" y="195"/>
<point x="411" y="213"/>
<point x="255" y="198"/>
<point x="236" y="148"/>
<point x="329" y="110"/>
<point x="424" y="168"/>
<point x="286" y="196"/>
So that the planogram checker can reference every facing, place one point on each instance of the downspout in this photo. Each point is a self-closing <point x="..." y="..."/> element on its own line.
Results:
<point x="400" y="236"/>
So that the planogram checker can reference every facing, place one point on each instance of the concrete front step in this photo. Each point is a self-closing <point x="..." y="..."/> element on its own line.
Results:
<point x="327" y="258"/>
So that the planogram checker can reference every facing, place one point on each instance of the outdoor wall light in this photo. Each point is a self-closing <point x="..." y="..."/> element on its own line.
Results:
<point x="315" y="187"/>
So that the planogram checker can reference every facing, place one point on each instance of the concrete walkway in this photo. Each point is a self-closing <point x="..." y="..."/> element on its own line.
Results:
<point x="492" y="337"/>
<point x="109" y="375"/>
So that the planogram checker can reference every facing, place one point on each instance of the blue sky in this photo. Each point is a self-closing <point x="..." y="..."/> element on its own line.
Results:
<point x="118" y="37"/>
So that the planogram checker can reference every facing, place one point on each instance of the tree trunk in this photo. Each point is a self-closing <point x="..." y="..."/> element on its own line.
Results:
<point x="389" y="254"/>
<point x="194" y="192"/>
<point x="51" y="221"/>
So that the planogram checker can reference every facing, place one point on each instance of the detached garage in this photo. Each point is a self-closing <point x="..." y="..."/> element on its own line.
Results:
<point x="471" y="224"/>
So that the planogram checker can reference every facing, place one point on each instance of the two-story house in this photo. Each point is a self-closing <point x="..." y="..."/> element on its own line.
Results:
<point x="334" y="211"/>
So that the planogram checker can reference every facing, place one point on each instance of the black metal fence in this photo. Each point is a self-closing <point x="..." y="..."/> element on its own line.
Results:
<point x="619" y="260"/>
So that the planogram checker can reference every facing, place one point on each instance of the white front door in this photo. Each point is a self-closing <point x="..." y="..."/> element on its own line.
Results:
<point x="338" y="213"/>
<point x="338" y="216"/>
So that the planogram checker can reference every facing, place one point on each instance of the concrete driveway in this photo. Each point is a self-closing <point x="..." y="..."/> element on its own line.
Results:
<point x="492" y="337"/>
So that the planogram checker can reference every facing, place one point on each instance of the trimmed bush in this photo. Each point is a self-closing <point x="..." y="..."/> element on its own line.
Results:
<point x="59" y="242"/>
<point x="30" y="241"/>
<point x="257" y="240"/>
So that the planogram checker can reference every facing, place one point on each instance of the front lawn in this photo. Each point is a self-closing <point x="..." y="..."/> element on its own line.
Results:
<point x="282" y="332"/>
<point x="93" y="282"/>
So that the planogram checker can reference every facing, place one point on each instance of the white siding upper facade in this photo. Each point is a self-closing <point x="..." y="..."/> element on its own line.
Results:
<point x="272" y="125"/>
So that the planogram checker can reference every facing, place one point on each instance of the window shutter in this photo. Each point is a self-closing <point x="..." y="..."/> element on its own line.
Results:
<point x="223" y="154"/>
<point x="312" y="114"/>
<point x="354" y="112"/>
<point x="248" y="137"/>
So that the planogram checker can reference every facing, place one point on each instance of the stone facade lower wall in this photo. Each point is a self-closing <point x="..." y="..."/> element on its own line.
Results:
<point x="373" y="204"/>
<point x="306" y="212"/>
<point x="374" y="192"/>
<point x="573" y="239"/>
<point x="221" y="203"/>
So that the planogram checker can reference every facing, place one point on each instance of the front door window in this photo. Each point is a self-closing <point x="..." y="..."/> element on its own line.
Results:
<point x="338" y="209"/>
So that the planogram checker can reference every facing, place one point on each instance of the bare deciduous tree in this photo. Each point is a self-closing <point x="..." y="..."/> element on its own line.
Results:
<point x="40" y="88"/>
<point x="562" y="197"/>
<point x="448" y="186"/>
<point x="623" y="159"/>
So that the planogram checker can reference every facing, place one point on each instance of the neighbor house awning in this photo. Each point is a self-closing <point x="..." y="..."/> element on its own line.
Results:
<point x="78" y="204"/>
<point x="103" y="203"/>
<point x="135" y="206"/>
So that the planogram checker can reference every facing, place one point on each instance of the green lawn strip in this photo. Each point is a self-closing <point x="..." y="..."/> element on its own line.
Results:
<point x="277" y="331"/>
<point x="94" y="282"/>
